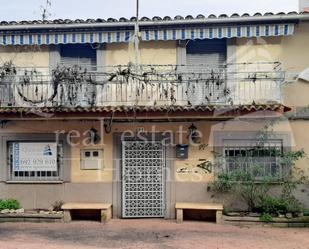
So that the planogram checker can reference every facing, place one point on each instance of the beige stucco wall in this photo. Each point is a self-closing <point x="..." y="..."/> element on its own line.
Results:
<point x="185" y="170"/>
<point x="154" y="53"/>
<point x="106" y="173"/>
<point x="295" y="54"/>
<point x="295" y="51"/>
<point x="25" y="56"/>
<point x="301" y="140"/>
<point x="76" y="127"/>
<point x="190" y="182"/>
<point x="291" y="51"/>
<point x="159" y="53"/>
<point x="258" y="49"/>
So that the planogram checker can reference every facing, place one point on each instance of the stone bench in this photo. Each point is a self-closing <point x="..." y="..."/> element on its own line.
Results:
<point x="106" y="209"/>
<point x="180" y="206"/>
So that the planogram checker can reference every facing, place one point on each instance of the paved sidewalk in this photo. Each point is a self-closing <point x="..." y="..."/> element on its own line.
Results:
<point x="148" y="234"/>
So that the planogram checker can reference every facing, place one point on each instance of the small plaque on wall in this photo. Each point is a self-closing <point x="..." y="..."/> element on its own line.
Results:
<point x="182" y="151"/>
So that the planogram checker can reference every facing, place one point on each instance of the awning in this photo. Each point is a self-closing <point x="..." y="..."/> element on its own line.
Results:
<point x="206" y="32"/>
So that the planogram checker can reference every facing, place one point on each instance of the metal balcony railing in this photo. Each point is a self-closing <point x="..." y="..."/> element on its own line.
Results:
<point x="145" y="85"/>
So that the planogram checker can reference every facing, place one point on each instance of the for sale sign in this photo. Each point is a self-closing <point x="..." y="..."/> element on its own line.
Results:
<point x="35" y="156"/>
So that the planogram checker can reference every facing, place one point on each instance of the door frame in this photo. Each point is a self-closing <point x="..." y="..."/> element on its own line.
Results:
<point x="169" y="175"/>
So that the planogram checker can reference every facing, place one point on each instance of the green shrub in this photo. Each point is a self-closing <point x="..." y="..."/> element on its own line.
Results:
<point x="252" y="186"/>
<point x="257" y="195"/>
<point x="242" y="185"/>
<point x="266" y="218"/>
<point x="280" y="205"/>
<point x="294" y="205"/>
<point x="9" y="204"/>
<point x="274" y="205"/>
<point x="226" y="211"/>
<point x="223" y="184"/>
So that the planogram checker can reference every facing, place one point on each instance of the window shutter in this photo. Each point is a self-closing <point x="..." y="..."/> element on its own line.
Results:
<point x="81" y="55"/>
<point x="205" y="57"/>
<point x="207" y="52"/>
<point x="212" y="60"/>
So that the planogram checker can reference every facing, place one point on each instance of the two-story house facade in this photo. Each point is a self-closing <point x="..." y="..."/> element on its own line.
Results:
<point x="82" y="121"/>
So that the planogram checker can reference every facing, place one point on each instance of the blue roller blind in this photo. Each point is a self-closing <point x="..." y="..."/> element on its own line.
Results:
<point x="207" y="52"/>
<point x="207" y="46"/>
<point x="205" y="56"/>
<point x="78" y="54"/>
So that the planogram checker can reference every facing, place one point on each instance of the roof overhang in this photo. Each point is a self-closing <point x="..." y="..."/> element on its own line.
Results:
<point x="142" y="113"/>
<point x="292" y="17"/>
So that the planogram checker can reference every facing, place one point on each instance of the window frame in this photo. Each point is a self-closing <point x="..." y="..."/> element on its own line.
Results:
<point x="36" y="137"/>
<point x="35" y="176"/>
<point x="79" y="54"/>
<point x="220" y="136"/>
<point x="197" y="92"/>
<point x="264" y="163"/>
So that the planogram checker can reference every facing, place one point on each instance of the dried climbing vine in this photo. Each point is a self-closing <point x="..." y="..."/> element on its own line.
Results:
<point x="68" y="82"/>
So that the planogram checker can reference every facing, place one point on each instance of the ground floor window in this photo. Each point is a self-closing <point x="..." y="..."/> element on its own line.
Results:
<point x="261" y="159"/>
<point x="35" y="161"/>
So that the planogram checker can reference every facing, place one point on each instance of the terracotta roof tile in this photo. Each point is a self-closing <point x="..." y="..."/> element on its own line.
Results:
<point x="146" y="19"/>
<point x="248" y="108"/>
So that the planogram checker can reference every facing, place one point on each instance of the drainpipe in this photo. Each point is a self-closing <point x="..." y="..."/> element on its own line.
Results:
<point x="137" y="52"/>
<point x="136" y="36"/>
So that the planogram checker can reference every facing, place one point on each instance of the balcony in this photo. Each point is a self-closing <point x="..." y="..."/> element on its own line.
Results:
<point x="145" y="85"/>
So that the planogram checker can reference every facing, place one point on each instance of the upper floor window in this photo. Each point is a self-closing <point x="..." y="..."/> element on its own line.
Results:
<point x="207" y="52"/>
<point x="205" y="60"/>
<point x="78" y="54"/>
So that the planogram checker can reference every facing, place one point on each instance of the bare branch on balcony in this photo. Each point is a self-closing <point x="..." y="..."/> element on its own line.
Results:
<point x="123" y="85"/>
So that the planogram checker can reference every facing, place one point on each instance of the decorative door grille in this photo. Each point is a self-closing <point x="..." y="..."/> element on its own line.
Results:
<point x="143" y="179"/>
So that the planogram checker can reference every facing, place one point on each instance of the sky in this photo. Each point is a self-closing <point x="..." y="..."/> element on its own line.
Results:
<point x="83" y="9"/>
